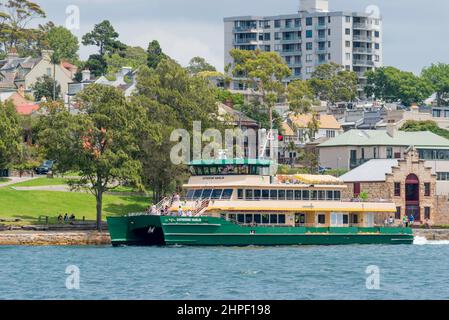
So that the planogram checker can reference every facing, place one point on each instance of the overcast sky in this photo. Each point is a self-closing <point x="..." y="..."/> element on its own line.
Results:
<point x="416" y="33"/>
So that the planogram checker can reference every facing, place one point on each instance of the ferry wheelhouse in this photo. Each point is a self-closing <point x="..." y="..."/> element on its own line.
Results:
<point x="236" y="202"/>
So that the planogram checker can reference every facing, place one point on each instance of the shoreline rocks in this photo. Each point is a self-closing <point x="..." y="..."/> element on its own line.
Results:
<point x="45" y="238"/>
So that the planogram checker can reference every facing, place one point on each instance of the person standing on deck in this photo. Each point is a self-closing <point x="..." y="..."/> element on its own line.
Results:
<point x="180" y="211"/>
<point x="412" y="220"/>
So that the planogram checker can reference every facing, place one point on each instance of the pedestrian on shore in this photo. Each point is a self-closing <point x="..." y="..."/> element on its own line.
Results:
<point x="391" y="221"/>
<point x="405" y="222"/>
<point x="60" y="218"/>
<point x="66" y="218"/>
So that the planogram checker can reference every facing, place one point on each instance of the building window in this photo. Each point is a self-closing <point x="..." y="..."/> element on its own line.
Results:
<point x="389" y="153"/>
<point x="377" y="34"/>
<point x="330" y="133"/>
<point x="357" y="189"/>
<point x="348" y="19"/>
<point x="309" y="33"/>
<point x="398" y="213"/>
<point x="309" y="70"/>
<point x="309" y="21"/>
<point x="397" y="189"/>
<point x="427" y="189"/>
<point x="277" y="23"/>
<point x="443" y="176"/>
<point x="309" y="46"/>
<point x="377" y="46"/>
<point x="348" y="44"/>
<point x="277" y="36"/>
<point x="348" y="56"/>
<point x="321" y="219"/>
<point x="427" y="213"/>
<point x="348" y="31"/>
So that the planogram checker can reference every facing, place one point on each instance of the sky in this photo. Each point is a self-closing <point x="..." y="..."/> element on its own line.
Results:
<point x="415" y="32"/>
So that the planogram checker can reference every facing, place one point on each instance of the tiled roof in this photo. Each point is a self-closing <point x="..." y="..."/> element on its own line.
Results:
<point x="382" y="138"/>
<point x="288" y="131"/>
<point x="326" y="121"/>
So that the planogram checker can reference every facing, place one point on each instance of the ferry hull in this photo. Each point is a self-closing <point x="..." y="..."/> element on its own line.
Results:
<point x="207" y="231"/>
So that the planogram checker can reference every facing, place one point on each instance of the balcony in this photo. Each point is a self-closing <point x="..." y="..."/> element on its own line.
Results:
<point x="292" y="40"/>
<point x="363" y="50"/>
<point x="246" y="41"/>
<point x="363" y="63"/>
<point x="362" y="26"/>
<point x="290" y="28"/>
<point x="321" y="26"/>
<point x="294" y="64"/>
<point x="363" y="38"/>
<point x="252" y="28"/>
<point x="321" y="51"/>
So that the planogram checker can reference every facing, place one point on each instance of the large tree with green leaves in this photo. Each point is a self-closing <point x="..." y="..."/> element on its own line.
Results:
<point x="101" y="142"/>
<point x="104" y="37"/>
<point x="15" y="17"/>
<point x="154" y="54"/>
<point x="133" y="57"/>
<point x="199" y="64"/>
<point x="333" y="83"/>
<point x="47" y="87"/>
<point x="264" y="73"/>
<point x="393" y="85"/>
<point x="432" y="126"/>
<point x="173" y="100"/>
<point x="10" y="134"/>
<point x="438" y="76"/>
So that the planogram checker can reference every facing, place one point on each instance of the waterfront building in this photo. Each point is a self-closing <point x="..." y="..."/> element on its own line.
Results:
<point x="310" y="37"/>
<point x="413" y="186"/>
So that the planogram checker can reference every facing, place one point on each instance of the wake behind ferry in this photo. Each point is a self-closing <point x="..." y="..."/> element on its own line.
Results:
<point x="235" y="202"/>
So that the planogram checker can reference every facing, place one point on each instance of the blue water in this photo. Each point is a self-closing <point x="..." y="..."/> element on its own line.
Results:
<point x="406" y="272"/>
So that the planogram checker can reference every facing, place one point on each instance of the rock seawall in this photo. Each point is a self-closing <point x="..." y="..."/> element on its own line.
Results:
<point x="432" y="234"/>
<point x="85" y="238"/>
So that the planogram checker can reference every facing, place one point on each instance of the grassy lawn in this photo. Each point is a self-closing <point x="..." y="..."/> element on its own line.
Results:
<point x="3" y="180"/>
<point x="40" y="182"/>
<point x="29" y="205"/>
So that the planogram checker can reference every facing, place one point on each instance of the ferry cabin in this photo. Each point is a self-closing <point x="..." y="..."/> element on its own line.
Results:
<point x="242" y="192"/>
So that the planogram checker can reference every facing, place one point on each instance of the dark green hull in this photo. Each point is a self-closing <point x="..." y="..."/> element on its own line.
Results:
<point x="207" y="231"/>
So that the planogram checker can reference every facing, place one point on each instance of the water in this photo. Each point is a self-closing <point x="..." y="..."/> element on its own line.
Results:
<point x="413" y="272"/>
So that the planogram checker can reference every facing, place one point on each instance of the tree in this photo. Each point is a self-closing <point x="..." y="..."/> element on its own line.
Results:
<point x="14" y="21"/>
<point x="10" y="134"/>
<point x="47" y="87"/>
<point x="331" y="82"/>
<point x="173" y="100"/>
<point x="105" y="37"/>
<point x="438" y="76"/>
<point x="432" y="126"/>
<point x="133" y="57"/>
<point x="65" y="47"/>
<point x="155" y="54"/>
<point x="300" y="96"/>
<point x="393" y="85"/>
<point x="199" y="64"/>
<point x="101" y="143"/>
<point x="97" y="65"/>
<point x="63" y="43"/>
<point x="264" y="73"/>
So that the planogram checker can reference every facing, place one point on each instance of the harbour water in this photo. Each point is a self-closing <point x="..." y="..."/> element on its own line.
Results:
<point x="413" y="272"/>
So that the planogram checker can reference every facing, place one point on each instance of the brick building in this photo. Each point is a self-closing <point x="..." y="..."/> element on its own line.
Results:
<point x="407" y="182"/>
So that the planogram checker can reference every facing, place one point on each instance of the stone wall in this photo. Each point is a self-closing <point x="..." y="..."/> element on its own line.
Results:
<point x="22" y="238"/>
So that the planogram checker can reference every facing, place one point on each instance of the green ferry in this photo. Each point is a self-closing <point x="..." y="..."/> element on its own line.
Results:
<point x="237" y="203"/>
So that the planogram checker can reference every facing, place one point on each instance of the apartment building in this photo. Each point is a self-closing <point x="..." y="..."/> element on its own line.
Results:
<point x="310" y="37"/>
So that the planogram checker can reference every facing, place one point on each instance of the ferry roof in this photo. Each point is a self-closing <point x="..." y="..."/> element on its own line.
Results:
<point x="303" y="206"/>
<point x="225" y="162"/>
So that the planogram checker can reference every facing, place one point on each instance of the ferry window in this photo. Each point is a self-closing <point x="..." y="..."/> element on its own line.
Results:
<point x="206" y="194"/>
<point x="355" y="219"/>
<point x="298" y="194"/>
<point x="190" y="194"/>
<point x="290" y="195"/>
<point x="305" y="194"/>
<point x="257" y="218"/>
<point x="248" y="218"/>
<point x="265" y="194"/>
<point x="213" y="171"/>
<point x="249" y="194"/>
<point x="321" y="195"/>
<point x="273" y="194"/>
<point x="227" y="194"/>
<point x="206" y="171"/>
<point x="232" y="217"/>
<point x="330" y="195"/>
<point x="216" y="194"/>
<point x="257" y="194"/>
<point x="197" y="194"/>
<point x="223" y="216"/>
<point x="281" y="195"/>
<point x="321" y="219"/>
<point x="274" y="219"/>
<point x="243" y="170"/>
<point x="240" y="194"/>
<point x="337" y="195"/>
<point x="265" y="219"/>
<point x="314" y="195"/>
<point x="345" y="219"/>
<point x="241" y="218"/>
<point x="281" y="219"/>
